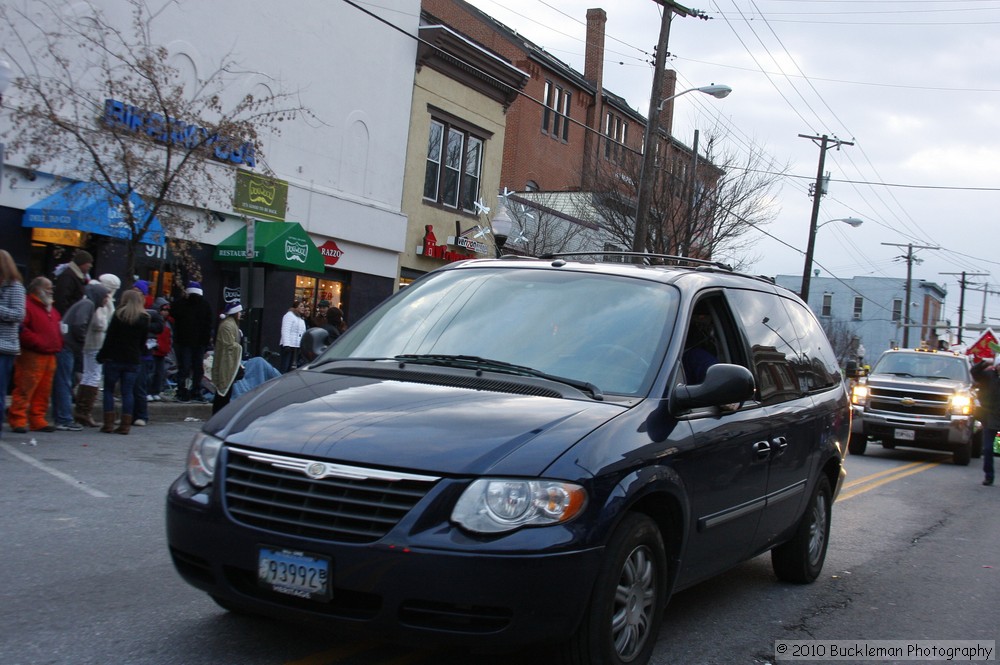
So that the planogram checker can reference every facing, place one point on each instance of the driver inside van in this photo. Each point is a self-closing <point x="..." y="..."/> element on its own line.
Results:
<point x="700" y="351"/>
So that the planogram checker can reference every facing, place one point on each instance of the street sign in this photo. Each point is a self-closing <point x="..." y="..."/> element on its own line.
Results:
<point x="251" y="237"/>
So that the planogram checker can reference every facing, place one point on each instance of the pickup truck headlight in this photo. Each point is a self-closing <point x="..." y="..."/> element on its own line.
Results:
<point x="494" y="505"/>
<point x="202" y="456"/>
<point x="960" y="404"/>
<point x="859" y="394"/>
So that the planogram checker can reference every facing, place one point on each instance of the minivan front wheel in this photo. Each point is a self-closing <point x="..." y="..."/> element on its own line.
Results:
<point x="626" y="607"/>
<point x="800" y="560"/>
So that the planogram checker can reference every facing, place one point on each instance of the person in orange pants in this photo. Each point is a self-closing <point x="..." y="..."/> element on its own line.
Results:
<point x="34" y="369"/>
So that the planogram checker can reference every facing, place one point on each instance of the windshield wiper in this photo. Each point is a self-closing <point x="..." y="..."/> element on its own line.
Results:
<point x="476" y="362"/>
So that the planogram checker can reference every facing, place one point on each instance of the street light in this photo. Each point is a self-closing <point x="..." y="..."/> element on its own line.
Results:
<point x="807" y="270"/>
<point x="649" y="157"/>
<point x="717" y="91"/>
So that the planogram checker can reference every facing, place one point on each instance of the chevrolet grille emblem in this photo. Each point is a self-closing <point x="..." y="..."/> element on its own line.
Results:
<point x="908" y="401"/>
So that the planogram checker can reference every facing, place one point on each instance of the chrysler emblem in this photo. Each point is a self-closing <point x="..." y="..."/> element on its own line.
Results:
<point x="908" y="401"/>
<point x="316" y="470"/>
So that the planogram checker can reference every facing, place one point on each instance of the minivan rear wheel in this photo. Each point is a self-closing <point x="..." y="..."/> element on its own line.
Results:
<point x="800" y="560"/>
<point x="626" y="607"/>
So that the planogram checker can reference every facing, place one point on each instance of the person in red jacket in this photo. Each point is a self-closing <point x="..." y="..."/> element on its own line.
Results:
<point x="41" y="340"/>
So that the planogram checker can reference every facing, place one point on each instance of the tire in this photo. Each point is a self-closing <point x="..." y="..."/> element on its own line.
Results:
<point x="626" y="606"/>
<point x="800" y="560"/>
<point x="857" y="444"/>
<point x="961" y="454"/>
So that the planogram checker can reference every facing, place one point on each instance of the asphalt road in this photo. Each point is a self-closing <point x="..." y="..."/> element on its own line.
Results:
<point x="86" y="578"/>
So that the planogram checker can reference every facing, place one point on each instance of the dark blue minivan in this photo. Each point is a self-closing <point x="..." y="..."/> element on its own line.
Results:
<point x="521" y="451"/>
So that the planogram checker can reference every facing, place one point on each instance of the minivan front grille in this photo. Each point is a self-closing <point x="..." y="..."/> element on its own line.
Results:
<point x="317" y="499"/>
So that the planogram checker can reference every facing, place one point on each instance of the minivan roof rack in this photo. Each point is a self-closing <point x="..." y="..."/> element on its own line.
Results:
<point x="676" y="260"/>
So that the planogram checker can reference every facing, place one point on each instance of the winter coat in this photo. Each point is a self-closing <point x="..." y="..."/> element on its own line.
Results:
<point x="98" y="327"/>
<point x="228" y="354"/>
<point x="164" y="341"/>
<point x="68" y="287"/>
<point x="11" y="315"/>
<point x="293" y="327"/>
<point x="193" y="321"/>
<point x="76" y="320"/>
<point x="156" y="326"/>
<point x="988" y="387"/>
<point x="125" y="342"/>
<point x="41" y="331"/>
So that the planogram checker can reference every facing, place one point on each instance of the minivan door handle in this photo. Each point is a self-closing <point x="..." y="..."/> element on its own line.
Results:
<point x="762" y="449"/>
<point x="779" y="443"/>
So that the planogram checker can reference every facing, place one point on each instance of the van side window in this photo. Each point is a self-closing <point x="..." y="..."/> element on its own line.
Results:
<point x="711" y="338"/>
<point x="819" y="369"/>
<point x="774" y="345"/>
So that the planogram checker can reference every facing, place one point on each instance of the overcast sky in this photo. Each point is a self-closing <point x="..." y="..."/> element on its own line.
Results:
<point x="915" y="85"/>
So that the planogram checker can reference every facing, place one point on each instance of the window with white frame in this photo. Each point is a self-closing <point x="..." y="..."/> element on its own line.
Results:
<point x="454" y="166"/>
<point x="897" y="309"/>
<point x="858" y="305"/>
<point x="555" y="116"/>
<point x="616" y="132"/>
<point x="827" y="304"/>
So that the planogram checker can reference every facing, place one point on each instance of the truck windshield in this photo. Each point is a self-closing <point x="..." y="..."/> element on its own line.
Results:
<point x="923" y="365"/>
<point x="609" y="331"/>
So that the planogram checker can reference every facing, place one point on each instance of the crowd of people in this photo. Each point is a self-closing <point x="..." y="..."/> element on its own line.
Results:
<point x="68" y="341"/>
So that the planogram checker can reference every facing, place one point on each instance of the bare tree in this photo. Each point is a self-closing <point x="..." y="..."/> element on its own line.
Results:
<point x="842" y="339"/>
<point x="94" y="101"/>
<point x="731" y="196"/>
<point x="544" y="223"/>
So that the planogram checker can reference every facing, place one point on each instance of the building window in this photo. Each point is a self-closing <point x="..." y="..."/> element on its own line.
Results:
<point x="897" y="309"/>
<point x="827" y="304"/>
<point x="454" y="165"/>
<point x="858" y="303"/>
<point x="616" y="130"/>
<point x="555" y="117"/>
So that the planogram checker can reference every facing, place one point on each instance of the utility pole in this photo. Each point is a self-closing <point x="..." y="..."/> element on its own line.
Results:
<point x="909" y="281"/>
<point x="962" y="284"/>
<point x="825" y="143"/>
<point x="646" y="176"/>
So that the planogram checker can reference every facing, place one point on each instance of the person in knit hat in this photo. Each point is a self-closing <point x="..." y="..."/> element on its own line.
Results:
<point x="164" y="343"/>
<point x="90" y="379"/>
<point x="12" y="295"/>
<point x="140" y="409"/>
<point x="77" y="326"/>
<point x="228" y="355"/>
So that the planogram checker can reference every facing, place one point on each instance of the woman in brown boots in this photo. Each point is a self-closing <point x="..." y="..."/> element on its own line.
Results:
<point x="120" y="357"/>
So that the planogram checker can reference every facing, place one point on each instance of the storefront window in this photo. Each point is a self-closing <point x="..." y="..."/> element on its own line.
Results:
<point x="312" y="290"/>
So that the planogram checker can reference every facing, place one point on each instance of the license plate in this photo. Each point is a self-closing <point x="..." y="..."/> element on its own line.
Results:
<point x="905" y="434"/>
<point x="294" y="573"/>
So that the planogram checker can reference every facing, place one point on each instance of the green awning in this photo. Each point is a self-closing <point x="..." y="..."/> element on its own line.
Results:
<point x="283" y="244"/>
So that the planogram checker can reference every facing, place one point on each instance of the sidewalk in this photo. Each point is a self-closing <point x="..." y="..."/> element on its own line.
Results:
<point x="161" y="412"/>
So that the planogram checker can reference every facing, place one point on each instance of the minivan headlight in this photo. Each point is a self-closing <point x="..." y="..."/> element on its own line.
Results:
<point x="202" y="456"/>
<point x="494" y="505"/>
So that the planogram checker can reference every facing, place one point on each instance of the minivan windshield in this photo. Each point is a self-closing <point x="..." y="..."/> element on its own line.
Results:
<point x="605" y="330"/>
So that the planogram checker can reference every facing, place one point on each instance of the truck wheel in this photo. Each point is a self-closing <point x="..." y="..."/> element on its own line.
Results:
<point x="800" y="560"/>
<point x="961" y="454"/>
<point x="857" y="444"/>
<point x="626" y="607"/>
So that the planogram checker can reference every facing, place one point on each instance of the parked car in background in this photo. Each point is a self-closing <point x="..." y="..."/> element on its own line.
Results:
<point x="521" y="451"/>
<point x="916" y="398"/>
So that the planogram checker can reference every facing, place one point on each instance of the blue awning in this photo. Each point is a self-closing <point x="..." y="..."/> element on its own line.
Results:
<point x="88" y="207"/>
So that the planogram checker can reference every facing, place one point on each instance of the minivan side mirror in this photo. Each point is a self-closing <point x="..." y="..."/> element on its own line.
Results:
<point x="314" y="342"/>
<point x="723" y="384"/>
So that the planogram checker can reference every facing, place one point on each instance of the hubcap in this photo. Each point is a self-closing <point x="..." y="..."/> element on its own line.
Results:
<point x="635" y="597"/>
<point x="817" y="530"/>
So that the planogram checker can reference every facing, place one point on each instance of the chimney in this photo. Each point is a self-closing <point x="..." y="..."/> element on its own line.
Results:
<point x="593" y="67"/>
<point x="667" y="114"/>
<point x="593" y="72"/>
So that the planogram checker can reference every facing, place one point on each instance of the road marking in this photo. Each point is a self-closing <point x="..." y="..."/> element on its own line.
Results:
<point x="874" y="480"/>
<point x="65" y="477"/>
